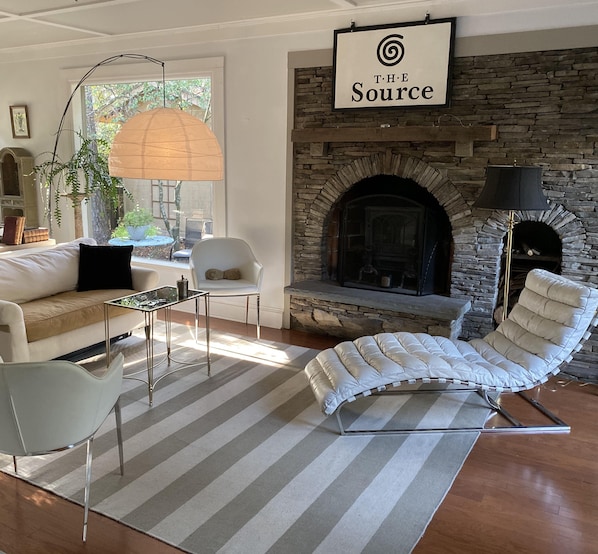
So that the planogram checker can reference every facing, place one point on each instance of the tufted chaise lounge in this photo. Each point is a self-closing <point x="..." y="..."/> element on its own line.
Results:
<point x="543" y="331"/>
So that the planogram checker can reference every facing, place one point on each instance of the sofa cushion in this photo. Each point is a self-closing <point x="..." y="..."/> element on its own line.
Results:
<point x="67" y="311"/>
<point x="41" y="274"/>
<point x="104" y="267"/>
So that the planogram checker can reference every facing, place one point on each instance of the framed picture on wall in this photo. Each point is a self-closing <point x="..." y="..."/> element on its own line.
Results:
<point x="19" y="122"/>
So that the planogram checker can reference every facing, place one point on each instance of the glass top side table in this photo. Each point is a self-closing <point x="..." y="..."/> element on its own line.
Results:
<point x="150" y="302"/>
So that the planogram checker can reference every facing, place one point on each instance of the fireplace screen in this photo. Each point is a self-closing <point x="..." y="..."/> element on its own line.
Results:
<point x="395" y="244"/>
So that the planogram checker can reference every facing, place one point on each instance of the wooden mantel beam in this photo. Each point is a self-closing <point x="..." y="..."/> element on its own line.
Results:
<point x="452" y="133"/>
<point x="462" y="136"/>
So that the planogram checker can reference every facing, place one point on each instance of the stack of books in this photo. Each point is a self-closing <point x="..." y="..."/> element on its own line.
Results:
<point x="35" y="234"/>
<point x="14" y="225"/>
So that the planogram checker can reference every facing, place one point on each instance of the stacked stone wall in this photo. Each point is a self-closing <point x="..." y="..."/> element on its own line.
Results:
<point x="545" y="107"/>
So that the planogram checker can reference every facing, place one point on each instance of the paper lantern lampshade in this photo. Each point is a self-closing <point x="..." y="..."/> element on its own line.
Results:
<point x="167" y="144"/>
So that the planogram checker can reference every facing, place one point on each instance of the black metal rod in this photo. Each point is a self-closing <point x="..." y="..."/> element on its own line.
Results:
<point x="106" y="61"/>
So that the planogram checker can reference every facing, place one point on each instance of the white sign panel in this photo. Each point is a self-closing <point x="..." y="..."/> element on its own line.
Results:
<point x="393" y="66"/>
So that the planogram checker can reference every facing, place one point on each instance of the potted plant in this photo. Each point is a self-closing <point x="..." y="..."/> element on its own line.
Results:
<point x="137" y="223"/>
<point x="83" y="174"/>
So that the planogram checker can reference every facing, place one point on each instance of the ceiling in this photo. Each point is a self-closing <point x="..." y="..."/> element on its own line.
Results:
<point x="40" y="24"/>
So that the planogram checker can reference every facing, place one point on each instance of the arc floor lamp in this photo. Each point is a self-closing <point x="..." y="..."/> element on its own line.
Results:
<point x="163" y="143"/>
<point x="511" y="188"/>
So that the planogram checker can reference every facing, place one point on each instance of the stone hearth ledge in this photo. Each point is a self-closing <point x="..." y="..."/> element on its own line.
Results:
<point x="447" y="312"/>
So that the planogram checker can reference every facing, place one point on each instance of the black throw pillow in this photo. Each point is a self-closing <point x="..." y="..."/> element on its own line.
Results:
<point x="104" y="267"/>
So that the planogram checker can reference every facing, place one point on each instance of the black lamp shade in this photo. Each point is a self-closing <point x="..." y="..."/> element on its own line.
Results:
<point x="512" y="188"/>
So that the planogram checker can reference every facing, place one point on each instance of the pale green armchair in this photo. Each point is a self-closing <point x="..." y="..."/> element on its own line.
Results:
<point x="49" y="406"/>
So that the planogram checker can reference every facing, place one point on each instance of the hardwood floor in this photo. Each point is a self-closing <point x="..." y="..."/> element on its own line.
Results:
<point x="527" y="493"/>
<point x="515" y="493"/>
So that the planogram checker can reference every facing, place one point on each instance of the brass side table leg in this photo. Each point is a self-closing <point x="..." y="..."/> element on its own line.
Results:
<point x="207" y="306"/>
<point x="168" y="326"/>
<point x="149" y="353"/>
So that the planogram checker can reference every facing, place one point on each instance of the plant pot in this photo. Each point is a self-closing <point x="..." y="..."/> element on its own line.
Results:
<point x="137" y="233"/>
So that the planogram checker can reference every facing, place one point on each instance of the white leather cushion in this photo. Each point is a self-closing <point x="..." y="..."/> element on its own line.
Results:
<point x="375" y="362"/>
<point x="548" y="322"/>
<point x="542" y="330"/>
<point x="41" y="274"/>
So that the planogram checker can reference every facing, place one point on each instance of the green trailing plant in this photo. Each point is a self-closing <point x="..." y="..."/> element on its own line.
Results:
<point x="83" y="174"/>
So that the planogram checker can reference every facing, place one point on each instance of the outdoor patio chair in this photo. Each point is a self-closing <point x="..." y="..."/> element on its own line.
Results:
<point x="194" y="231"/>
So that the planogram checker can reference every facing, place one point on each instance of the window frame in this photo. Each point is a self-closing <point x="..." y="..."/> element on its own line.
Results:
<point x="148" y="71"/>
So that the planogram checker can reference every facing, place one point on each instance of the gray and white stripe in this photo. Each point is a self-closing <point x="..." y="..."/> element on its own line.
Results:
<point x="245" y="461"/>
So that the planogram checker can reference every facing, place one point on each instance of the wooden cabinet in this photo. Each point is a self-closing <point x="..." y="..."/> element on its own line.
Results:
<point x="18" y="192"/>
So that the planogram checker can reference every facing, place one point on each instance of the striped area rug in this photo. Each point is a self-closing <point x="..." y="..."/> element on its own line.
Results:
<point x="244" y="461"/>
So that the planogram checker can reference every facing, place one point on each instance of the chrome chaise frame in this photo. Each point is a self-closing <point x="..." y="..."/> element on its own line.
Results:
<point x="515" y="424"/>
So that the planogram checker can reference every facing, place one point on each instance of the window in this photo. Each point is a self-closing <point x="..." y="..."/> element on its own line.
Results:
<point x="110" y="99"/>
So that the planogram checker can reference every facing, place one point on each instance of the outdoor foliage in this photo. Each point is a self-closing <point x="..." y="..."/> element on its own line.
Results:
<point x="138" y="217"/>
<point x="111" y="105"/>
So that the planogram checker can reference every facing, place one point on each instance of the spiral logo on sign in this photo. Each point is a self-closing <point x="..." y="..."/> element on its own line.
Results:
<point x="390" y="50"/>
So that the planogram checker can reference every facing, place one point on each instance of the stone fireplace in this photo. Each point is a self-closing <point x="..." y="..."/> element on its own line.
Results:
<point x="534" y="124"/>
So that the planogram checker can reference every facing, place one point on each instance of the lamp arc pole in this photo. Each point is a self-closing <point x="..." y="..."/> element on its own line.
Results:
<point x="84" y="78"/>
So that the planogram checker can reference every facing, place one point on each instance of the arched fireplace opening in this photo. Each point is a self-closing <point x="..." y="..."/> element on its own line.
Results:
<point x="387" y="233"/>
<point x="535" y="244"/>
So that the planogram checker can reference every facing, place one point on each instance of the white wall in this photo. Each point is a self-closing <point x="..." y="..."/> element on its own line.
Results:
<point x="255" y="143"/>
<point x="257" y="129"/>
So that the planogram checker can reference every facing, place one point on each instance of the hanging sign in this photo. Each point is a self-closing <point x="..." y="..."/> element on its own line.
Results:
<point x="399" y="65"/>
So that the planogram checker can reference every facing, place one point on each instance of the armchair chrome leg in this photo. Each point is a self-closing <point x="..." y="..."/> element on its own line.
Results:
<point x="87" y="487"/>
<point x="258" y="316"/>
<point x="119" y="436"/>
<point x="14" y="463"/>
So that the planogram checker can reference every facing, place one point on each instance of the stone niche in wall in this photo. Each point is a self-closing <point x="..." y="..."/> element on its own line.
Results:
<point x="542" y="109"/>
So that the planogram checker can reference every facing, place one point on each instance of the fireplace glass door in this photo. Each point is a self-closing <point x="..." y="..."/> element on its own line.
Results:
<point x="394" y="244"/>
<point x="386" y="256"/>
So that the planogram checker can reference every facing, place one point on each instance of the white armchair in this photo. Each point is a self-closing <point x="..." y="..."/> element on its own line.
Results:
<point x="49" y="406"/>
<point x="222" y="254"/>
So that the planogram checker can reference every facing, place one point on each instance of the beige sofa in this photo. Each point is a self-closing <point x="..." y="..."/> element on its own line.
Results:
<point x="43" y="315"/>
